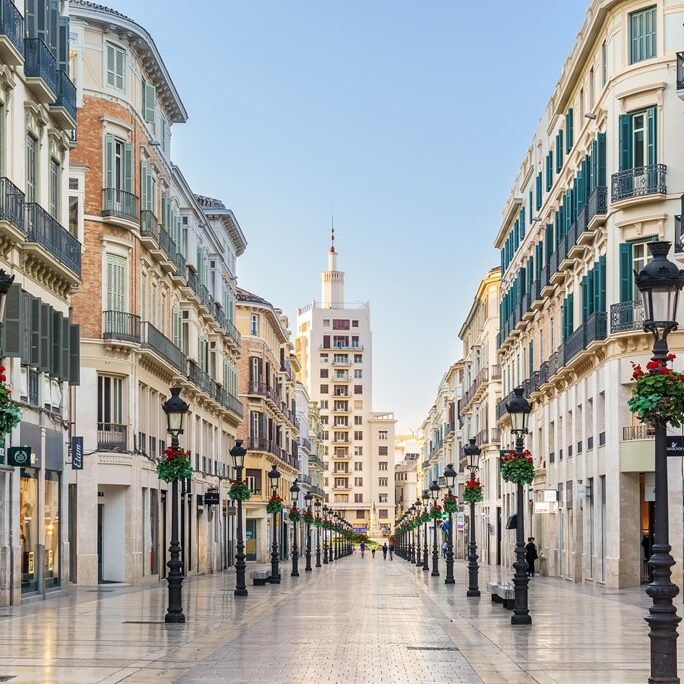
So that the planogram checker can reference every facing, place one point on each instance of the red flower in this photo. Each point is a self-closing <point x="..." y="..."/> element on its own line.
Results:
<point x="2" y="378"/>
<point x="652" y="365"/>
<point x="664" y="371"/>
<point x="2" y="369"/>
<point x="671" y="357"/>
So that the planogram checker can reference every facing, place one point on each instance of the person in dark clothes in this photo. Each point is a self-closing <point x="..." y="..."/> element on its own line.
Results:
<point x="531" y="555"/>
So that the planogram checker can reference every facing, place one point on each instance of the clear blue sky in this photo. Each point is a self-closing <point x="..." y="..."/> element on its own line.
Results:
<point x="411" y="118"/>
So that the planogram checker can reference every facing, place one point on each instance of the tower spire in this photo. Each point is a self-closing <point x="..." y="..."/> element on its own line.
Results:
<point x="332" y="232"/>
<point x="332" y="279"/>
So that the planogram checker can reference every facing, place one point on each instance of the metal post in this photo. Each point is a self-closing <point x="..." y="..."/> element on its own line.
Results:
<point x="419" y="560"/>
<point x="275" y="572"/>
<point x="662" y="614"/>
<point x="473" y="568"/>
<point x="295" y="551"/>
<point x="240" y="588"/>
<point x="325" y="546"/>
<point x="521" y="614"/>
<point x="174" y="611"/>
<point x="435" y="553"/>
<point x="450" y="551"/>
<point x="426" y="561"/>
<point x="318" y="546"/>
<point x="308" y="546"/>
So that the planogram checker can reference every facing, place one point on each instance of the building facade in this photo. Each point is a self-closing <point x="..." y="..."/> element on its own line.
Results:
<point x="156" y="310"/>
<point x="334" y="345"/>
<point x="477" y="412"/>
<point x="270" y="429"/>
<point x="41" y="248"/>
<point x="601" y="178"/>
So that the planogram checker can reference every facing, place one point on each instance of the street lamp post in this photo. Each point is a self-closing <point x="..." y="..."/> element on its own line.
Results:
<point x="426" y="561"/>
<point x="325" y="536"/>
<point x="274" y="476"/>
<point x="418" y="511"/>
<point x="294" y="497"/>
<point x="450" y="479"/>
<point x="434" y="493"/>
<point x="308" y="499"/>
<point x="660" y="282"/>
<point x="472" y="452"/>
<point x="238" y="453"/>
<point x="175" y="408"/>
<point x="519" y="410"/>
<point x="317" y="506"/>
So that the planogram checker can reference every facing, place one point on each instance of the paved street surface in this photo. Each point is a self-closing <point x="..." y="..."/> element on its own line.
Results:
<point x="353" y="621"/>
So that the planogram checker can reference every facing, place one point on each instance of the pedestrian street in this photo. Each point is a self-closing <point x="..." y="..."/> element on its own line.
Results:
<point x="353" y="620"/>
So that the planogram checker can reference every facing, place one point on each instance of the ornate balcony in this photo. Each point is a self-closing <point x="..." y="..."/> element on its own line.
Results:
<point x="119" y="204"/>
<point x="40" y="68"/>
<point x="597" y="206"/>
<point x="120" y="325"/>
<point x="639" y="182"/>
<point x="626" y="316"/>
<point x="12" y="213"/>
<point x="11" y="34"/>
<point x="64" y="108"/>
<point x="45" y="231"/>
<point x="162" y="346"/>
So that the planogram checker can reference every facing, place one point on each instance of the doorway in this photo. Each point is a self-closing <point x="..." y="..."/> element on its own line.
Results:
<point x="100" y="543"/>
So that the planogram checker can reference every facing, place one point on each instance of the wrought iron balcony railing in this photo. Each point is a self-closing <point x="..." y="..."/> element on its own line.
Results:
<point x="66" y="93"/>
<point x="626" y="316"/>
<point x="156" y="341"/>
<point x="680" y="71"/>
<point x="120" y="204"/>
<point x="148" y="224"/>
<point x="12" y="24"/>
<point x="46" y="231"/>
<point x="39" y="62"/>
<point x="12" y="204"/>
<point x="638" y="182"/>
<point x="112" y="436"/>
<point x="598" y="202"/>
<point x="120" y="325"/>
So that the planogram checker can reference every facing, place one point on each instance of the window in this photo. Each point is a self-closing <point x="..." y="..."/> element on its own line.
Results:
<point x="254" y="325"/>
<point x="358" y="389"/>
<point x="31" y="169"/>
<point x="358" y="435"/>
<point x="382" y="451"/>
<point x="382" y="481"/>
<point x="324" y="389"/>
<point x="324" y="372"/>
<point x="355" y="324"/>
<point x="355" y="341"/>
<point x="358" y="498"/>
<point x="340" y="324"/>
<point x="109" y="402"/>
<point x="642" y="35"/>
<point x="382" y="498"/>
<point x="116" y="66"/>
<point x="382" y="434"/>
<point x="382" y="465"/>
<point x="358" y="358"/>
<point x="341" y="482"/>
<point x="324" y="404"/>
<point x="324" y="358"/>
<point x="115" y="267"/>
<point x="604" y="65"/>
<point x="358" y="482"/>
<point x="149" y="97"/>
<point x="591" y="88"/>
<point x="358" y="373"/>
<point x="55" y="188"/>
<point x="358" y="466"/>
<point x="326" y="322"/>
<point x="383" y="514"/>
<point x="360" y="515"/>
<point x="358" y="420"/>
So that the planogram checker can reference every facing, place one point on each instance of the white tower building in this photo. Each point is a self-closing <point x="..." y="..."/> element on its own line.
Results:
<point x="334" y="344"/>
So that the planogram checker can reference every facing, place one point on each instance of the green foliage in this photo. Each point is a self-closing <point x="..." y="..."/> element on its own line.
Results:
<point x="658" y="396"/>
<point x="177" y="467"/>
<point x="239" y="491"/>
<point x="517" y="468"/>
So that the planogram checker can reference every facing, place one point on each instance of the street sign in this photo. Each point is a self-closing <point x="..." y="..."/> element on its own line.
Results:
<point x="20" y="456"/>
<point x="77" y="453"/>
<point x="211" y="497"/>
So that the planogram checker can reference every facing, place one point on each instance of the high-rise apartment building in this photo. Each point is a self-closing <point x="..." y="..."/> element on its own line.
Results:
<point x="334" y="345"/>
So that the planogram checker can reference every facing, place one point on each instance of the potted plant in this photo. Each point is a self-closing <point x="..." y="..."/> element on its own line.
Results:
<point x="658" y="395"/>
<point x="175" y="466"/>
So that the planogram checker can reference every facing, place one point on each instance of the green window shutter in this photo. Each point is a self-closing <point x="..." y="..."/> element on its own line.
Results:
<point x="602" y="284"/>
<point x="590" y="292"/>
<point x="559" y="151"/>
<point x="564" y="319"/>
<point x="549" y="241"/>
<point x="652" y="142"/>
<point x="538" y="188"/>
<point x="593" y="166"/>
<point x="26" y="317"/>
<point x="531" y="204"/>
<point x="65" y="350"/>
<point x="149" y="96"/>
<point x="30" y="9"/>
<point x="109" y="162"/>
<point x="530" y="356"/>
<point x="522" y="224"/>
<point x="116" y="282"/>
<point x="53" y="14"/>
<point x="45" y="337"/>
<point x="74" y="355"/>
<point x="35" y="332"/>
<point x="626" y="275"/>
<point x="601" y="163"/>
<point x="571" y="314"/>
<point x="12" y="322"/>
<point x="56" y="361"/>
<point x="569" y="130"/>
<point x="596" y="286"/>
<point x="625" y="142"/>
<point x="585" y="300"/>
<point x="63" y="44"/>
<point x="143" y="184"/>
<point x="128" y="167"/>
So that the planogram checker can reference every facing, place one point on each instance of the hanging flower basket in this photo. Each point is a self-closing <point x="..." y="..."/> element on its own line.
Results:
<point x="517" y="468"/>
<point x="294" y="514"/>
<point x="473" y="491"/>
<point x="317" y="521"/>
<point x="436" y="512"/>
<point x="10" y="415"/>
<point x="239" y="491"/>
<point x="309" y="518"/>
<point x="274" y="505"/>
<point x="658" y="396"/>
<point x="451" y="503"/>
<point x="425" y="518"/>
<point x="175" y="466"/>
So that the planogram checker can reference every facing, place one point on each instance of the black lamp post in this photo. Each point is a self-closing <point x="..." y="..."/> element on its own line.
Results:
<point x="308" y="498"/>
<point x="519" y="410"/>
<point x="472" y="452"/>
<point x="294" y="497"/>
<point x="175" y="408"/>
<point x="238" y="453"/>
<point x="418" y="512"/>
<point x="426" y="561"/>
<point x="660" y="283"/>
<point x="450" y="478"/>
<point x="317" y="506"/>
<point x="412" y="554"/>
<point x="434" y="493"/>
<point x="325" y="535"/>
<point x="273" y="477"/>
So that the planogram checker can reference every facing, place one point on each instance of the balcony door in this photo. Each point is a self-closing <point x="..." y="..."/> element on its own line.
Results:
<point x="110" y="427"/>
<point x="118" y="180"/>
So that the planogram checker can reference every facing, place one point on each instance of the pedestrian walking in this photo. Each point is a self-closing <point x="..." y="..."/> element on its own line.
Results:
<point x="362" y="546"/>
<point x="391" y="551"/>
<point x="373" y="551"/>
<point x="531" y="555"/>
<point x="384" y="551"/>
<point x="445" y="548"/>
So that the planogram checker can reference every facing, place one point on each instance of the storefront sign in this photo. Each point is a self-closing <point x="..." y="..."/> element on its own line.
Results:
<point x="550" y="495"/>
<point x="77" y="453"/>
<point x="2" y="451"/>
<point x="211" y="497"/>
<point x="675" y="445"/>
<point x="20" y="456"/>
